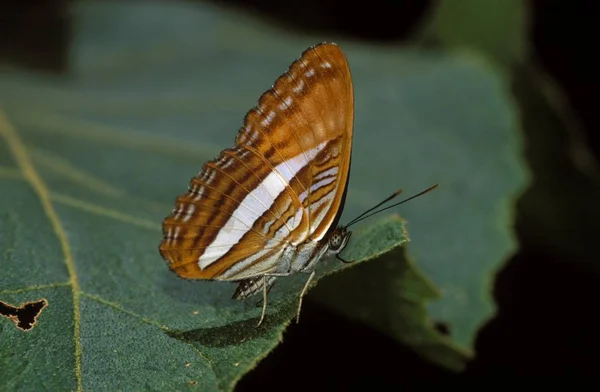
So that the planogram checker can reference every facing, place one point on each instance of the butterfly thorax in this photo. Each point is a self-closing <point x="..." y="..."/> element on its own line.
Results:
<point x="303" y="257"/>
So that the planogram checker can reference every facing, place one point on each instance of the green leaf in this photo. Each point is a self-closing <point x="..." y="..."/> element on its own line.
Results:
<point x="495" y="28"/>
<point x="391" y="295"/>
<point x="129" y="306"/>
<point x="91" y="161"/>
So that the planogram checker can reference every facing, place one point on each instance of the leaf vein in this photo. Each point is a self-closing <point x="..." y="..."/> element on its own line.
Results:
<point x="103" y="211"/>
<point x="24" y="162"/>
<point x="35" y="288"/>
<point x="144" y="319"/>
<point x="66" y="169"/>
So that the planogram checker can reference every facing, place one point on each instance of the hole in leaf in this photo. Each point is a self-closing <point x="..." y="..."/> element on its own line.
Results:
<point x="442" y="327"/>
<point x="24" y="316"/>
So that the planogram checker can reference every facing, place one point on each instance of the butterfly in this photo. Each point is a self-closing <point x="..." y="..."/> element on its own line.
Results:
<point x="269" y="207"/>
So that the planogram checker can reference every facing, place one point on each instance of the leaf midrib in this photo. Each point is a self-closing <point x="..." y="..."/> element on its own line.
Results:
<point x="30" y="174"/>
<point x="26" y="166"/>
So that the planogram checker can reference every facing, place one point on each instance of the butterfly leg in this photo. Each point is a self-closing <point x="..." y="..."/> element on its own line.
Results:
<point x="304" y="290"/>
<point x="337" y="256"/>
<point x="268" y="280"/>
<point x="266" y="286"/>
<point x="268" y="291"/>
<point x="264" y="309"/>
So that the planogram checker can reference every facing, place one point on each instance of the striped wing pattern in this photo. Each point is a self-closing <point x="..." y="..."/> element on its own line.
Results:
<point x="282" y="183"/>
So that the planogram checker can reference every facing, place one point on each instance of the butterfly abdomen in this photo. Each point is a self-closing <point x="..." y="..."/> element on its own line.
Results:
<point x="250" y="287"/>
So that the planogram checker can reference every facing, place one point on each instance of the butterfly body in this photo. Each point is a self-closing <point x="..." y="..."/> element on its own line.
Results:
<point x="269" y="206"/>
<point x="295" y="259"/>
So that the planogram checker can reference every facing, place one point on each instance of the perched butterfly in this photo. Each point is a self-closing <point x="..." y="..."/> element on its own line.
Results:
<point x="269" y="207"/>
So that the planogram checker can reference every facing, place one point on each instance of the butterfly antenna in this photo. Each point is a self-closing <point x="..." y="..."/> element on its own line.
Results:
<point x="368" y="213"/>
<point x="390" y="197"/>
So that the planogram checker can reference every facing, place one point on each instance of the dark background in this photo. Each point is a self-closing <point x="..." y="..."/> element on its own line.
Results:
<point x="547" y="295"/>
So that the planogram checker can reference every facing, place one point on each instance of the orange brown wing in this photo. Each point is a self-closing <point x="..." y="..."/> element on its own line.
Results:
<point x="283" y="182"/>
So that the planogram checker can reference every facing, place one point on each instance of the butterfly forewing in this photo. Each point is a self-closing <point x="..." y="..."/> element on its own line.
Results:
<point x="282" y="183"/>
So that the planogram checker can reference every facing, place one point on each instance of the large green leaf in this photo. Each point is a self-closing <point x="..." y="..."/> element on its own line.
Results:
<point x="135" y="324"/>
<point x="90" y="163"/>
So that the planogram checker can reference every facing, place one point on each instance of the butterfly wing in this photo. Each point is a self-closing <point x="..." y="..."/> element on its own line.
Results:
<point x="332" y="116"/>
<point x="281" y="183"/>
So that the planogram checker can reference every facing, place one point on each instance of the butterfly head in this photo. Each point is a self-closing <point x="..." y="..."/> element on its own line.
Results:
<point x="339" y="239"/>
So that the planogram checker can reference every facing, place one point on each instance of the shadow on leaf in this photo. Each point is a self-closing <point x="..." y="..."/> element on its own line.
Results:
<point x="238" y="332"/>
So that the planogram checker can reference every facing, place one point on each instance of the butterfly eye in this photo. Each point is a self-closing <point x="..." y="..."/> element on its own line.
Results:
<point x="336" y="240"/>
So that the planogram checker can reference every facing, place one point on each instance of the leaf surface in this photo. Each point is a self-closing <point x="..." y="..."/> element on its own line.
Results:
<point x="91" y="161"/>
